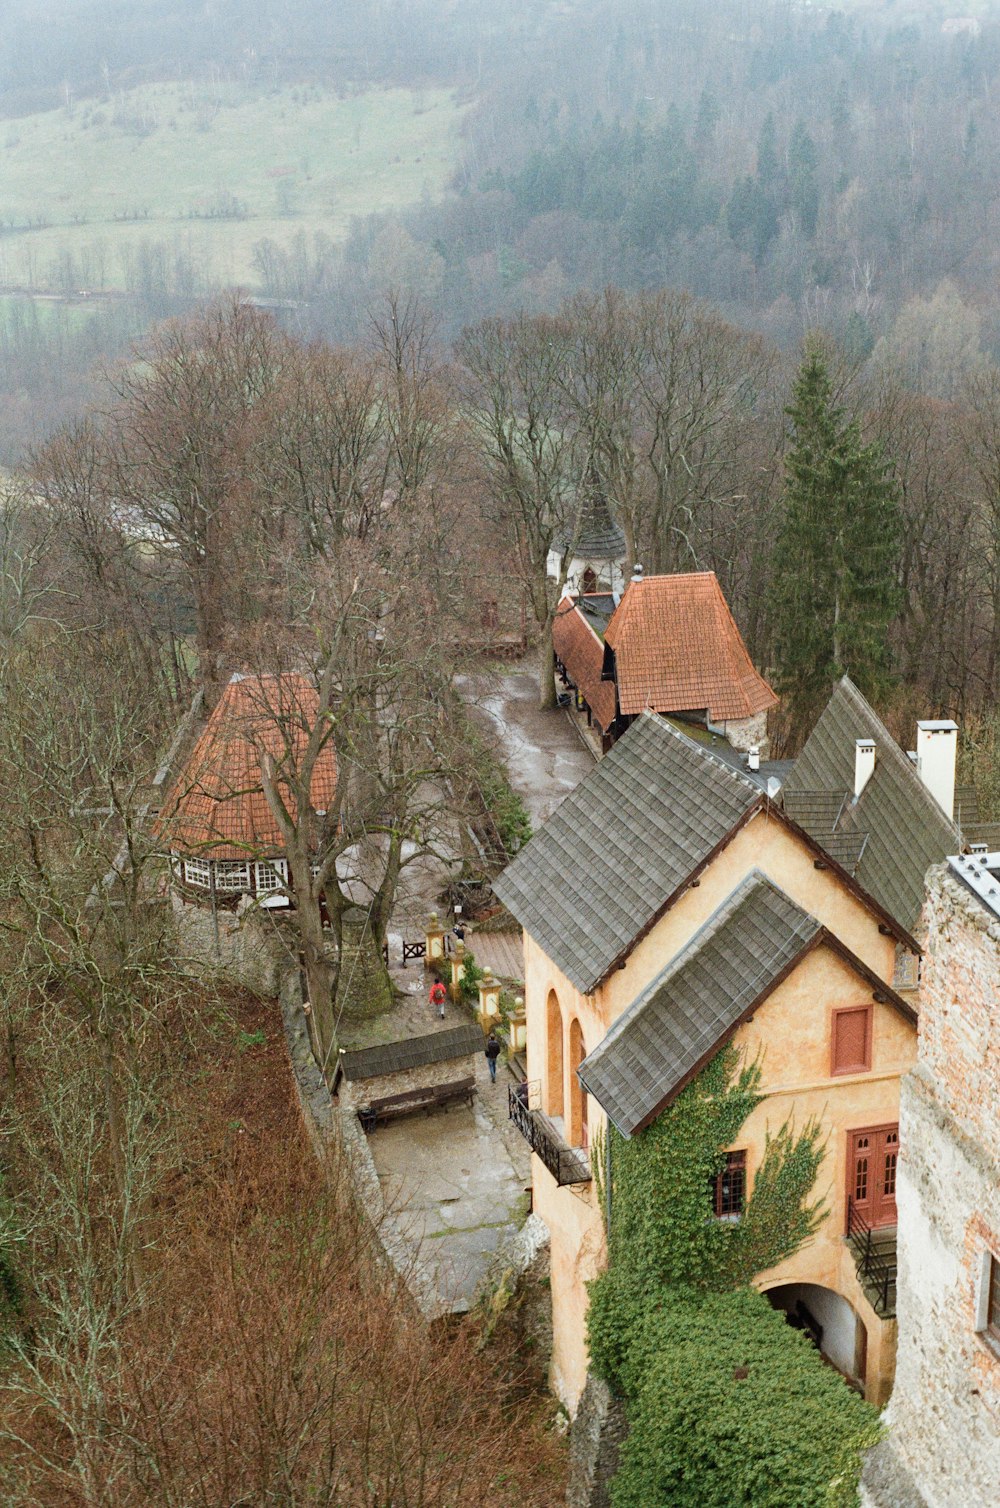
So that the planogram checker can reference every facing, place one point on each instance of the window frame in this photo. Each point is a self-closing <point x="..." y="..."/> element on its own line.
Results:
<point x="845" y="1010"/>
<point x="988" y="1301"/>
<point x="736" y="1158"/>
<point x="229" y="870"/>
<point x="275" y="870"/>
<point x="202" y="880"/>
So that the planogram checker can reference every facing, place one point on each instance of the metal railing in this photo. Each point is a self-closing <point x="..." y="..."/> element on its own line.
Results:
<point x="876" y="1269"/>
<point x="566" y="1164"/>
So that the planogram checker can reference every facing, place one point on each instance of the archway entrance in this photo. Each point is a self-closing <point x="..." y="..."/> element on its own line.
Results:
<point x="830" y="1322"/>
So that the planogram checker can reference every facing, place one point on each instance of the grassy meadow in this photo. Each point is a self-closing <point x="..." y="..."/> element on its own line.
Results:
<point x="207" y="172"/>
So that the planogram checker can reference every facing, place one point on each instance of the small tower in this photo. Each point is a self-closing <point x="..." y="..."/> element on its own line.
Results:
<point x="597" y="543"/>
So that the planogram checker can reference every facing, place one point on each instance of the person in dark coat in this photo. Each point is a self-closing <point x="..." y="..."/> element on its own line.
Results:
<point x="492" y="1050"/>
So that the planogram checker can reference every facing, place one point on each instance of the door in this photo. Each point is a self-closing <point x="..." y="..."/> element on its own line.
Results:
<point x="871" y="1174"/>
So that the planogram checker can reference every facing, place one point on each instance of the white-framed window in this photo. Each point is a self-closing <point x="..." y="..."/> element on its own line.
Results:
<point x="198" y="872"/>
<point x="232" y="874"/>
<point x="272" y="874"/>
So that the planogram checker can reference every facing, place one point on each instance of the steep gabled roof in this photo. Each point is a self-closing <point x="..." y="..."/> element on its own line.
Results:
<point x="611" y="857"/>
<point x="895" y="827"/>
<point x="677" y="649"/>
<point x="582" y="653"/>
<point x="217" y="805"/>
<point x="731" y="964"/>
<point x="737" y="957"/>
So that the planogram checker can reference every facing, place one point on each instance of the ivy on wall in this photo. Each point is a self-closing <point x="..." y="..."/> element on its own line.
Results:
<point x="727" y="1404"/>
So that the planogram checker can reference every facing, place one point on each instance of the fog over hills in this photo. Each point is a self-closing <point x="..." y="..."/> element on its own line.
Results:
<point x="796" y="166"/>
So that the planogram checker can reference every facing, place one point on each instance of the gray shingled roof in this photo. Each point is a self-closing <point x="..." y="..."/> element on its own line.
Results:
<point x="907" y="831"/>
<point x="412" y="1052"/>
<point x="687" y="1010"/>
<point x="598" y="536"/>
<point x="610" y="857"/>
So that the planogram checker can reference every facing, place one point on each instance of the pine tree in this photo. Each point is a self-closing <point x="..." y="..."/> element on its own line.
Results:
<point x="836" y="570"/>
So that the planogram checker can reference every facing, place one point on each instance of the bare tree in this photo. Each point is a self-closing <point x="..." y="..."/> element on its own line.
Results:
<point x="512" y="383"/>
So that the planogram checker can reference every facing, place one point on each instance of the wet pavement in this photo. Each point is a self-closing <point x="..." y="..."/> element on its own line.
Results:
<point x="545" y="756"/>
<point x="456" y="1185"/>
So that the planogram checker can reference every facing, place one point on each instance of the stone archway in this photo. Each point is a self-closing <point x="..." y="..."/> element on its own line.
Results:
<point x="553" y="1056"/>
<point x="833" y="1325"/>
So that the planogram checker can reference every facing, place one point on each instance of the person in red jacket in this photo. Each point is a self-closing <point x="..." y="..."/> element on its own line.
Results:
<point x="438" y="996"/>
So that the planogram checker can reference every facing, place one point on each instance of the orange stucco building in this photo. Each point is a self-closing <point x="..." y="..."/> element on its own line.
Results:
<point x="670" y="906"/>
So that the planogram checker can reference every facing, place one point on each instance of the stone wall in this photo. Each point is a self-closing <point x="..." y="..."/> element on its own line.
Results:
<point x="363" y="1091"/>
<point x="943" y="1449"/>
<point x="250" y="945"/>
<point x="598" y="1431"/>
<point x="747" y="732"/>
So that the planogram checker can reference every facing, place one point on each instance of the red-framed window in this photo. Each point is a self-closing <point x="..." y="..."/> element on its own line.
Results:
<point x="851" y="1040"/>
<point x="729" y="1187"/>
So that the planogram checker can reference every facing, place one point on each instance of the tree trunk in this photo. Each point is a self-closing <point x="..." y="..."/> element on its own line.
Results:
<point x="546" y="671"/>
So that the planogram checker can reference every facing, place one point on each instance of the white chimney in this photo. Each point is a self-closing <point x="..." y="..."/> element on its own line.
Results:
<point x="753" y="757"/>
<point x="637" y="573"/>
<point x="864" y="763"/>
<point x="937" y="746"/>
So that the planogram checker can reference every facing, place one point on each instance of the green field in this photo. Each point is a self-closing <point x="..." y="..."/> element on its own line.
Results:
<point x="208" y="171"/>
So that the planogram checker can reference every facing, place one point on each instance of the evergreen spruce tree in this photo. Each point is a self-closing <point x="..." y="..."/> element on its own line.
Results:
<point x="836" y="571"/>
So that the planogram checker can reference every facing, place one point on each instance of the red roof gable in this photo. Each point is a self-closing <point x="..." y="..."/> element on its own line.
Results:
<point x="677" y="649"/>
<point x="582" y="653"/>
<point x="217" y="806"/>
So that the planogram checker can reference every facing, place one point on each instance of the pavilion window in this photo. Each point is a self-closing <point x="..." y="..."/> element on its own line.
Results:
<point x="232" y="874"/>
<point x="198" y="872"/>
<point x="272" y="875"/>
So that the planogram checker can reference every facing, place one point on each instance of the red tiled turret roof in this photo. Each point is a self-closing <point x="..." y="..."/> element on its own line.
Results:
<point x="677" y="649"/>
<point x="582" y="653"/>
<point x="217" y="806"/>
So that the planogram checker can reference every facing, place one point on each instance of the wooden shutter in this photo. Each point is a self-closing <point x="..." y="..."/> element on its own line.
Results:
<point x="852" y="1040"/>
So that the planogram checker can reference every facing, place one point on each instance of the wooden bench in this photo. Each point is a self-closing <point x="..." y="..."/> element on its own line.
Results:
<point x="427" y="1098"/>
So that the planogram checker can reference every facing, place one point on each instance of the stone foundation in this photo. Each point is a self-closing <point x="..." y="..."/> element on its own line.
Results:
<point x="595" y="1441"/>
<point x="248" y="945"/>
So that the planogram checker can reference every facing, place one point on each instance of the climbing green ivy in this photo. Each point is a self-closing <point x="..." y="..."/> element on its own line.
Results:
<point x="718" y="1388"/>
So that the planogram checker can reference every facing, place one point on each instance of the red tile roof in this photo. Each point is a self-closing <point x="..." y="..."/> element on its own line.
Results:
<point x="582" y="653"/>
<point x="677" y="649"/>
<point x="217" y="806"/>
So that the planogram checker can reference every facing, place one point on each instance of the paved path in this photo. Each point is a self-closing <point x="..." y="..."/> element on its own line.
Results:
<point x="545" y="757"/>
<point x="456" y="1185"/>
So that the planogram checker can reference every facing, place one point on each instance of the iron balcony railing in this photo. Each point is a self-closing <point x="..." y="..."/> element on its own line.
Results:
<point x="566" y="1164"/>
<point x="875" y="1263"/>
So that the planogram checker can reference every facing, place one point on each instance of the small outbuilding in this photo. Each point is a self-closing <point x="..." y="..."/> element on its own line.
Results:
<point x="223" y="840"/>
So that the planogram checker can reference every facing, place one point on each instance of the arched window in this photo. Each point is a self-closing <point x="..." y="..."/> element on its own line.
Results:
<point x="553" y="1056"/>
<point x="577" y="1128"/>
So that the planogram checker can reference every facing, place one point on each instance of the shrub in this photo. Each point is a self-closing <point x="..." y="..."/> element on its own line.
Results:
<point x="729" y="1405"/>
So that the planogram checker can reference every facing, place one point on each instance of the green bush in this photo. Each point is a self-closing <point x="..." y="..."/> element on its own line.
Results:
<point x="729" y="1406"/>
